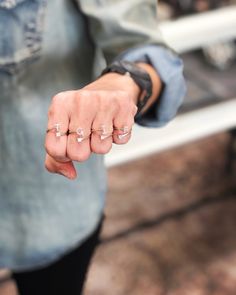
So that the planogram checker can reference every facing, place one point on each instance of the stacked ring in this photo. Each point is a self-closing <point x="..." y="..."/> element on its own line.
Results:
<point x="103" y="132"/>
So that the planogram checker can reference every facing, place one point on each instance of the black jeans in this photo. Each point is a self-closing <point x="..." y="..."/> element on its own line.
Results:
<point x="64" y="277"/>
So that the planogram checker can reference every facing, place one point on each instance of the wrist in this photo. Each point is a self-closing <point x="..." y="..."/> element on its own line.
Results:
<point x="139" y="76"/>
<point x="116" y="81"/>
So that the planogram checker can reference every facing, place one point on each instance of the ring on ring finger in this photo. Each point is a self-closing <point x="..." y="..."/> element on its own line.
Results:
<point x="103" y="132"/>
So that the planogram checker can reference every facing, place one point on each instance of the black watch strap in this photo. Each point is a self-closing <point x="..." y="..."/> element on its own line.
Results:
<point x="140" y="77"/>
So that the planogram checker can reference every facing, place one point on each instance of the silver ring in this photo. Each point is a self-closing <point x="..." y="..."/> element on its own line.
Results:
<point x="103" y="132"/>
<point x="81" y="135"/>
<point x="57" y="130"/>
<point x="123" y="132"/>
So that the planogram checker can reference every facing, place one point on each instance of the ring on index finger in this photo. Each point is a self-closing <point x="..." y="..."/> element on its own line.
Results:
<point x="57" y="130"/>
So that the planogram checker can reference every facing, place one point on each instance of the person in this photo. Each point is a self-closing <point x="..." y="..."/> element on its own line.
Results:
<point x="49" y="224"/>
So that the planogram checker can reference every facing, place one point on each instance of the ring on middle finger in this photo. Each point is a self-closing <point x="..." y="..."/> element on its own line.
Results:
<point x="81" y="136"/>
<point x="104" y="132"/>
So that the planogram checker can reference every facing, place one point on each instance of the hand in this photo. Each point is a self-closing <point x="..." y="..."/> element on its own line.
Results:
<point x="106" y="104"/>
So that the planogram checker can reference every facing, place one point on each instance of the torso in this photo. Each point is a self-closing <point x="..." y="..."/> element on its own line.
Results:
<point x="42" y="216"/>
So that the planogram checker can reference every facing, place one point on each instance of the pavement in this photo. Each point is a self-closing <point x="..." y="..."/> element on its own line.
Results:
<point x="170" y="225"/>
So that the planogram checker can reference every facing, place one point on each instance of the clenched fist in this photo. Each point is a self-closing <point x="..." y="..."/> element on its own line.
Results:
<point x="81" y="122"/>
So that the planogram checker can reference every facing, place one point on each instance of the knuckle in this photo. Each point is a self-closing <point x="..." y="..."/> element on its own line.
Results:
<point x="127" y="111"/>
<point x="81" y="95"/>
<point x="126" y="98"/>
<point x="121" y="98"/>
<point x="125" y="101"/>
<point x="106" y="104"/>
<point x="106" y="101"/>
<point x="58" y="97"/>
<point x="86" y="99"/>
<point x="123" y="95"/>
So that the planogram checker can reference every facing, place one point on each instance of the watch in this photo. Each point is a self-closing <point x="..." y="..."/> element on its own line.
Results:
<point x="140" y="77"/>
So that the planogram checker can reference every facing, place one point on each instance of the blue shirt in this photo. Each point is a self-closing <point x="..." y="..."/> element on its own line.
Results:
<point x="52" y="46"/>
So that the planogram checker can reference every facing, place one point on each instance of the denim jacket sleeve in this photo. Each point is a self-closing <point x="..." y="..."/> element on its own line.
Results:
<point x="128" y="30"/>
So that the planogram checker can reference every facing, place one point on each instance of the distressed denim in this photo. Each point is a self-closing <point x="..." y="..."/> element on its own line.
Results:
<point x="46" y="47"/>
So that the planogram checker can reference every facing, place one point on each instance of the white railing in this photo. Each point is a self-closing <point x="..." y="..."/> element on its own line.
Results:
<point x="183" y="35"/>
<point x="199" y="30"/>
<point x="185" y="128"/>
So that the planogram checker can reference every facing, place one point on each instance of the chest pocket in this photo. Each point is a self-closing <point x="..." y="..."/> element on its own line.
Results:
<point x="21" y="28"/>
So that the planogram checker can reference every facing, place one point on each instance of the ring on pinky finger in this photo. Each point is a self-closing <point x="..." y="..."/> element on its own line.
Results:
<point x="122" y="132"/>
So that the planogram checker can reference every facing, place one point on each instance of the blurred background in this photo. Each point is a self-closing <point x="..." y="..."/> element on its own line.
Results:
<point x="170" y="225"/>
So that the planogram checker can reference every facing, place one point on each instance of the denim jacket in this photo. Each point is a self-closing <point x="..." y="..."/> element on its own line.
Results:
<point x="52" y="46"/>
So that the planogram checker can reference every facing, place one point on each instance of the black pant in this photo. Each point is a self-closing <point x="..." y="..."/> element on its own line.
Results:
<point x="64" y="277"/>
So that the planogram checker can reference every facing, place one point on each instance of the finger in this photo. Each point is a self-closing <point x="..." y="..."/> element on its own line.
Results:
<point x="122" y="133"/>
<point x="123" y="124"/>
<point x="58" y="121"/>
<point x="102" y="129"/>
<point x="66" y="169"/>
<point x="78" y="143"/>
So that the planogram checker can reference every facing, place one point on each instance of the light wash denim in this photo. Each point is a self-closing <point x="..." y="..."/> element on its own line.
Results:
<point x="47" y="47"/>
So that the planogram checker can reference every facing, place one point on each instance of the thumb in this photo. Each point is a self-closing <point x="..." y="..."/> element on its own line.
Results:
<point x="66" y="169"/>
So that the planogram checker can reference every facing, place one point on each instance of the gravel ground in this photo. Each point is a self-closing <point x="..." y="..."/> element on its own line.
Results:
<point x="170" y="226"/>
